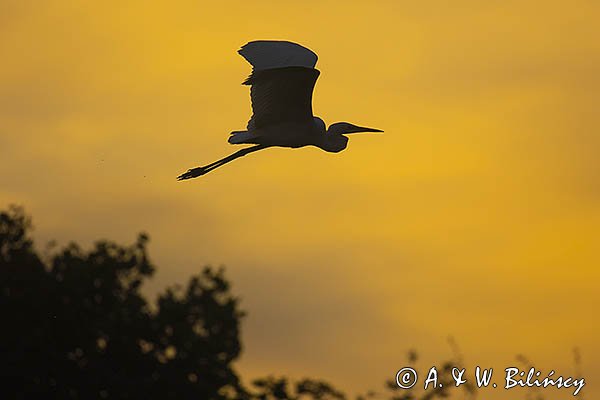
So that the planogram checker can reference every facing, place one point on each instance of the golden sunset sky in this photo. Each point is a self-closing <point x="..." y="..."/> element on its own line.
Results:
<point x="475" y="215"/>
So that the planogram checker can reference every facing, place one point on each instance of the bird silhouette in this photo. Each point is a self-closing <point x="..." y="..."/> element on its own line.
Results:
<point x="281" y="87"/>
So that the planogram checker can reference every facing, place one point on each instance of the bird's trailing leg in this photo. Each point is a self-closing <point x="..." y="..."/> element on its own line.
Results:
<point x="199" y="171"/>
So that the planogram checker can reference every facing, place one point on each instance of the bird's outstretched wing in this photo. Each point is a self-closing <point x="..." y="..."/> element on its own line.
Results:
<point x="281" y="95"/>
<point x="282" y="82"/>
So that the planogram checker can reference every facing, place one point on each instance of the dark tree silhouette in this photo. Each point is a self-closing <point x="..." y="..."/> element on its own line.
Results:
<point x="271" y="388"/>
<point x="75" y="325"/>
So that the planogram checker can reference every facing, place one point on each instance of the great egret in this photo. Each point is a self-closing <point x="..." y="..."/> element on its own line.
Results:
<point x="282" y="82"/>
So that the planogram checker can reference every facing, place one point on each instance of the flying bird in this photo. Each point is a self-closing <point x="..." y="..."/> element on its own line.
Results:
<point x="281" y="87"/>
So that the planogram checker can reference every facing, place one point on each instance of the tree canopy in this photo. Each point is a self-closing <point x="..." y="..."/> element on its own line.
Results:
<point x="76" y="325"/>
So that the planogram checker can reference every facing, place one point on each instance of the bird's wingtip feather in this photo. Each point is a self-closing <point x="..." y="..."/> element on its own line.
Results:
<point x="265" y="54"/>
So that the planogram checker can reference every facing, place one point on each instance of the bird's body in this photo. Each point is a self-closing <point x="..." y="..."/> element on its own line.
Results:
<point x="284" y="134"/>
<point x="282" y="83"/>
<point x="289" y="134"/>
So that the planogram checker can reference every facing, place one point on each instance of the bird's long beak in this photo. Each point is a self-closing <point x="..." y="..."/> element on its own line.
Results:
<point x="360" y="129"/>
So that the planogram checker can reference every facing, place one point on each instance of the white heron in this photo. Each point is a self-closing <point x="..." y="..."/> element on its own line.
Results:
<point x="282" y="82"/>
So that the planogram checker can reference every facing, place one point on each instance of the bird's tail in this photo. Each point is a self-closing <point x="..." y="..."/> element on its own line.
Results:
<point x="242" y="137"/>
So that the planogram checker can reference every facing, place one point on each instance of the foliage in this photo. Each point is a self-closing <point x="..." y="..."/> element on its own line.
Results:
<point x="76" y="325"/>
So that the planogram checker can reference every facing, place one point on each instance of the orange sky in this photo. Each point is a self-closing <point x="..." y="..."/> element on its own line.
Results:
<point x="476" y="214"/>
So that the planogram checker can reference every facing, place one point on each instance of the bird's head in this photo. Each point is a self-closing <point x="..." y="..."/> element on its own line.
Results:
<point x="344" y="128"/>
<point x="335" y="141"/>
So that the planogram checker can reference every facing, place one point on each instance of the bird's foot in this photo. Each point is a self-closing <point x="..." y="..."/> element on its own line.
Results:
<point x="193" y="173"/>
